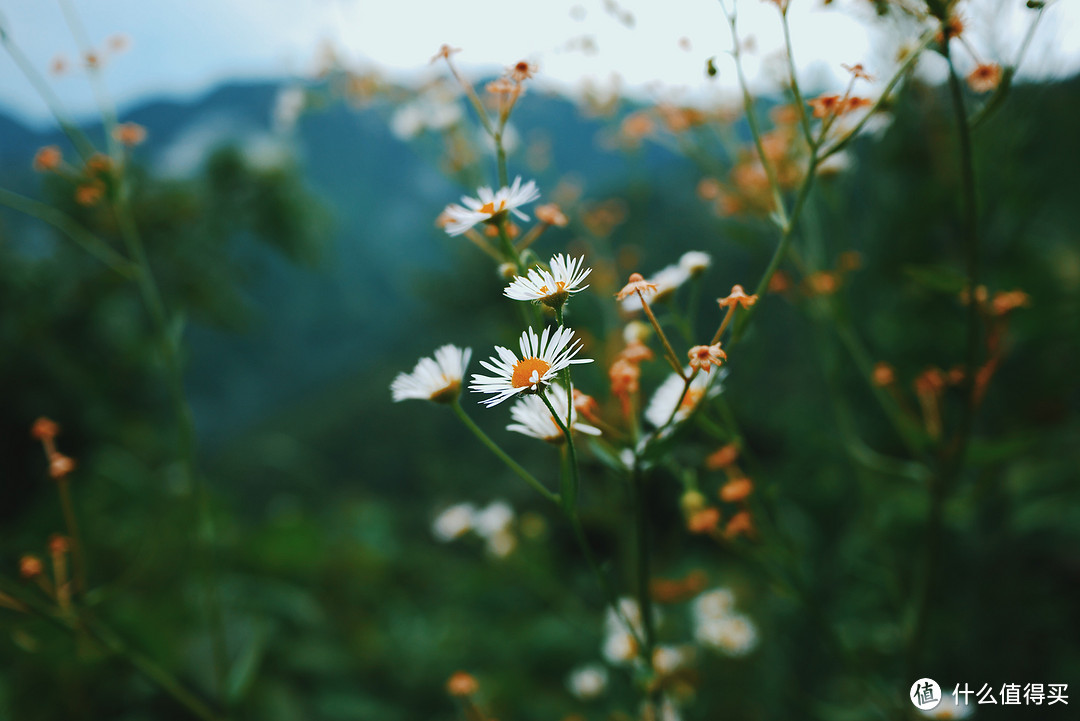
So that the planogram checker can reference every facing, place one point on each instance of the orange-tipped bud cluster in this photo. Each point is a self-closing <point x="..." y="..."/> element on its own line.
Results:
<point x="47" y="159"/>
<point x="883" y="374"/>
<point x="44" y="429"/>
<point x="462" y="684"/>
<point x="737" y="489"/>
<point x="551" y="214"/>
<point x="722" y="457"/>
<point x="60" y="465"/>
<point x="129" y="134"/>
<point x="704" y="521"/>
<point x="30" y="566"/>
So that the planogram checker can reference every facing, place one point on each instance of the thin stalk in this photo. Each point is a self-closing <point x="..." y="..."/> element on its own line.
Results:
<point x="72" y="523"/>
<point x="82" y="237"/>
<point x="804" y="119"/>
<point x="97" y="81"/>
<point x="501" y="454"/>
<point x="669" y="351"/>
<point x="641" y="514"/>
<point x="570" y="479"/>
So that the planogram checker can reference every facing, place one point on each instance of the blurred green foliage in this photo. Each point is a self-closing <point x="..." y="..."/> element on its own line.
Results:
<point x="340" y="604"/>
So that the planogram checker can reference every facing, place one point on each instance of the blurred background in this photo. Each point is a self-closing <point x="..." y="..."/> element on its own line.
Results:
<point x="296" y="157"/>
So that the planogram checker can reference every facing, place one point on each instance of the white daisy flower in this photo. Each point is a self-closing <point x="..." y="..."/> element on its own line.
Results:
<point x="551" y="287"/>
<point x="666" y="660"/>
<point x="733" y="635"/>
<point x="436" y="380"/>
<point x="534" y="419"/>
<point x="543" y="357"/>
<point x="587" y="682"/>
<point x="666" y="280"/>
<point x="666" y="399"/>
<point x="490" y="205"/>
<point x="454" y="522"/>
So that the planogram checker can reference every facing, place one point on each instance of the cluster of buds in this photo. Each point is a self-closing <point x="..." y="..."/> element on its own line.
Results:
<point x="46" y="430"/>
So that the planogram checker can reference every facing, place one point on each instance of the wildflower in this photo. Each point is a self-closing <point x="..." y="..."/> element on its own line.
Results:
<point x="854" y="103"/>
<point x="695" y="262"/>
<point x="625" y="377"/>
<point x="659" y="287"/>
<point x="490" y="206"/>
<point x="822" y="283"/>
<point x="825" y="105"/>
<point x="129" y="134"/>
<point x="58" y="544"/>
<point x="709" y="189"/>
<point x="47" y="158"/>
<point x="669" y="399"/>
<point x="444" y="52"/>
<point x="60" y="465"/>
<point x="723" y="457"/>
<point x="636" y="352"/>
<point x="89" y="193"/>
<point x="521" y="71"/>
<point x="98" y="164"/>
<point x="713" y="605"/>
<point x="1005" y="301"/>
<point x="985" y="77"/>
<point x="462" y="684"/>
<point x="736" y="490"/>
<point x="587" y="682"/>
<point x="779" y="282"/>
<point x="30" y="566"/>
<point x="44" y="429"/>
<point x="619" y="647"/>
<point x="740" y="524"/>
<point x="550" y="287"/>
<point x="454" y="522"/>
<point x="704" y="521"/>
<point x="551" y="214"/>
<point x="542" y="358"/>
<point x="667" y="660"/>
<point x="437" y="380"/>
<point x="704" y="357"/>
<point x="533" y="418"/>
<point x="737" y="297"/>
<point x="636" y="284"/>
<point x="883" y="374"/>
<point x="733" y="635"/>
<point x="858" y="71"/>
<point x="92" y="60"/>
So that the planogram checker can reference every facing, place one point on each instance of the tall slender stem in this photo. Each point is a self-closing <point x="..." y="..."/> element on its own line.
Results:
<point x="501" y="454"/>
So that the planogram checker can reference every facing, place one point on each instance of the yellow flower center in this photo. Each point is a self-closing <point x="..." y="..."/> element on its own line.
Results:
<point x="490" y="209"/>
<point x="560" y="287"/>
<point x="524" y="370"/>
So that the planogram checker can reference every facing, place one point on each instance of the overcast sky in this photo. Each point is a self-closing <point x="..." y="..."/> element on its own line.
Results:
<point x="658" y="49"/>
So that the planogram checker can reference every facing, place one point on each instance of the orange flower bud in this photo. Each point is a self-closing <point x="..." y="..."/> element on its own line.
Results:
<point x="736" y="490"/>
<point x="30" y="566"/>
<point x="462" y="684"/>
<point x="704" y="521"/>
<point x="44" y="429"/>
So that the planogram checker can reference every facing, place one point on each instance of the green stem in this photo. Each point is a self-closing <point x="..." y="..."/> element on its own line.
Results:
<point x="570" y="479"/>
<point x="97" y="81"/>
<point x="71" y="521"/>
<point x="501" y="454"/>
<point x="804" y="119"/>
<point x="643" y="552"/>
<point x="82" y="237"/>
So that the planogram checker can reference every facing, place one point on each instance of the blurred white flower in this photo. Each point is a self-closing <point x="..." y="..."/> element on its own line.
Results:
<point x="713" y="605"/>
<point x="587" y="682"/>
<point x="669" y="397"/>
<point x="733" y="635"/>
<point x="502" y="543"/>
<point x="619" y="647"/>
<point x="666" y="280"/>
<point x="695" y="262"/>
<point x="454" y="522"/>
<point x="495" y="518"/>
<point x="436" y="109"/>
<point x="288" y="104"/>
<point x="667" y="660"/>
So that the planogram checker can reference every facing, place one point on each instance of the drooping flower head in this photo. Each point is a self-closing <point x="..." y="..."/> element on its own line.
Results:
<point x="436" y="380"/>
<point x="543" y="357"/>
<point x="533" y="418"/>
<point x="550" y="287"/>
<point x="490" y="205"/>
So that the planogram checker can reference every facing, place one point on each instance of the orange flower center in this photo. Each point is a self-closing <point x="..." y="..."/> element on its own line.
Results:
<point x="524" y="370"/>
<point x="560" y="287"/>
<point x="490" y="209"/>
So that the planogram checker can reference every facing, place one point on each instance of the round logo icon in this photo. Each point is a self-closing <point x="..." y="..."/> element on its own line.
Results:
<point x="925" y="694"/>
